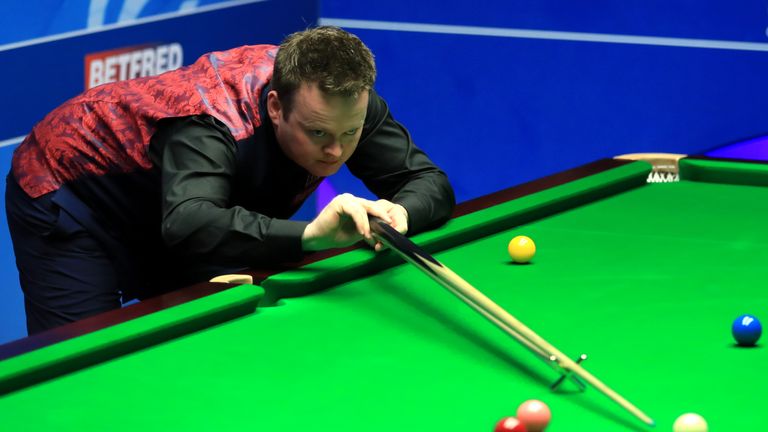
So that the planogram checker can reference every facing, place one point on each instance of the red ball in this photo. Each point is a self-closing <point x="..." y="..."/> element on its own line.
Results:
<point x="510" y="424"/>
<point x="534" y="414"/>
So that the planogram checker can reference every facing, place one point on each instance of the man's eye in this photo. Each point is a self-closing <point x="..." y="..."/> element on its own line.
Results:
<point x="351" y="132"/>
<point x="318" y="133"/>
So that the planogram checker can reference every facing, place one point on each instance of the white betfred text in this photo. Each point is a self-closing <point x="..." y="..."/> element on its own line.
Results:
<point x="133" y="64"/>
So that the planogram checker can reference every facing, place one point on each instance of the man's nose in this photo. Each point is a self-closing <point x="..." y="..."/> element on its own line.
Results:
<point x="333" y="149"/>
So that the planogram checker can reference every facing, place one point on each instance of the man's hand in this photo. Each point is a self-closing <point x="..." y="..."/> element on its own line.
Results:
<point x="398" y="219"/>
<point x="344" y="221"/>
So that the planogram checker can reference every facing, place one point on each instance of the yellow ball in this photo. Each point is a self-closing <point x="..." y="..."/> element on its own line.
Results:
<point x="521" y="249"/>
<point x="690" y="422"/>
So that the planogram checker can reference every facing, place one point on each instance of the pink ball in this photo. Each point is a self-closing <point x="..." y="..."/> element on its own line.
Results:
<point x="534" y="414"/>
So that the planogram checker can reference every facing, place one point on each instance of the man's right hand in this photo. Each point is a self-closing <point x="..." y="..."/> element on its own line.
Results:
<point x="343" y="222"/>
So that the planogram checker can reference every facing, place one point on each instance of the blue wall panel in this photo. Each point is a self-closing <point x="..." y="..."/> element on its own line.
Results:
<point x="12" y="324"/>
<point x="47" y="74"/>
<point x="551" y="105"/>
<point x="25" y="20"/>
<point x="714" y="19"/>
<point x="496" y="111"/>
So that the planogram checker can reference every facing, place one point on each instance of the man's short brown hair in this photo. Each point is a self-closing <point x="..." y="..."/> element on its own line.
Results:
<point x="337" y="61"/>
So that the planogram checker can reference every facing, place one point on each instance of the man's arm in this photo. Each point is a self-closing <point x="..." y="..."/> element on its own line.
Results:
<point x="196" y="156"/>
<point x="393" y="168"/>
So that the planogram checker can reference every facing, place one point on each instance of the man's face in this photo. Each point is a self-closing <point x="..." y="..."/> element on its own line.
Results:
<point x="321" y="132"/>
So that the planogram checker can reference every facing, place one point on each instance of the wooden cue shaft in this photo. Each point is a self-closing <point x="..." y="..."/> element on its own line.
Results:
<point x="508" y="330"/>
<point x="477" y="300"/>
<point x="565" y="362"/>
<point x="546" y="357"/>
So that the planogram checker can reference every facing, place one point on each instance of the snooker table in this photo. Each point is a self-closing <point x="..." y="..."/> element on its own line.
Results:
<point x="645" y="278"/>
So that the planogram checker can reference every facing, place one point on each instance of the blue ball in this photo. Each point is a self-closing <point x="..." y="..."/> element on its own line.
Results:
<point x="746" y="330"/>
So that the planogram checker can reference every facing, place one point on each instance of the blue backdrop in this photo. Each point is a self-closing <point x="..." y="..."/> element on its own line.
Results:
<point x="502" y="92"/>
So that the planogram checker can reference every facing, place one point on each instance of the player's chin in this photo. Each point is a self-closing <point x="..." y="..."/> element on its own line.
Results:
<point x="325" y="169"/>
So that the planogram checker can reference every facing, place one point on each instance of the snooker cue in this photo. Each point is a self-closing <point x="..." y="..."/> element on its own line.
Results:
<point x="495" y="313"/>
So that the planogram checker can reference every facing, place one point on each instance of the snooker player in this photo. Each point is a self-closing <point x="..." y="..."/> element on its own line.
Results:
<point x="138" y="187"/>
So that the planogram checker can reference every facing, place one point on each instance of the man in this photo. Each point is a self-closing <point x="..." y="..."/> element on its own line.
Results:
<point x="142" y="186"/>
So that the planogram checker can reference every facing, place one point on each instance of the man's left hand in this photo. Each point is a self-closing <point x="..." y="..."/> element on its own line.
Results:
<point x="398" y="215"/>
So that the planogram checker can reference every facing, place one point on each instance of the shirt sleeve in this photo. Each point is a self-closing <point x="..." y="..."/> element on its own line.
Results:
<point x="196" y="156"/>
<point x="394" y="168"/>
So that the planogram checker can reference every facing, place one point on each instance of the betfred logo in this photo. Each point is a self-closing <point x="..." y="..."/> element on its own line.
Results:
<point x="131" y="62"/>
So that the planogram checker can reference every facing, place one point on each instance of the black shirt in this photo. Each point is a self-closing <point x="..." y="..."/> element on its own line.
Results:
<point x="230" y="200"/>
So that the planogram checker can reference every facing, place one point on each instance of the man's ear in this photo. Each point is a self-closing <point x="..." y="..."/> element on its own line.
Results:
<point x="274" y="108"/>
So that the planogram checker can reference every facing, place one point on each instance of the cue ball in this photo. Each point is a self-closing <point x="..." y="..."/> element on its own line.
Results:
<point x="690" y="422"/>
<point x="509" y="424"/>
<point x="534" y="414"/>
<point x="746" y="329"/>
<point x="521" y="249"/>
